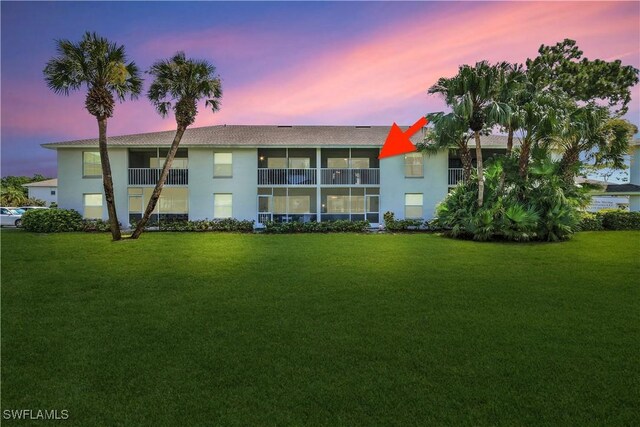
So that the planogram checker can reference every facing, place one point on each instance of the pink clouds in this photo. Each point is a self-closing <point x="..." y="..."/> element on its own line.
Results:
<point x="399" y="64"/>
<point x="374" y="80"/>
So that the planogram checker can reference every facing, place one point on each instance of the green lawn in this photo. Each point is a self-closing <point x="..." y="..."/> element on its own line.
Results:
<point x="223" y="329"/>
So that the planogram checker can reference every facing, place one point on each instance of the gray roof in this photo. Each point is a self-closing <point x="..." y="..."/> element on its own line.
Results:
<point x="46" y="183"/>
<point x="622" y="188"/>
<point x="261" y="136"/>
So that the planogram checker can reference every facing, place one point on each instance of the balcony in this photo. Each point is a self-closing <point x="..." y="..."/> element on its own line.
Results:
<point x="361" y="176"/>
<point x="149" y="176"/>
<point x="268" y="176"/>
<point x="456" y="175"/>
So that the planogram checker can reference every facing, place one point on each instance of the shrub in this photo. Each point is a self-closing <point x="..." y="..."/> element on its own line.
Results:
<point x="340" y="226"/>
<point x="619" y="220"/>
<point x="590" y="222"/>
<point x="95" y="225"/>
<point x="392" y="224"/>
<point x="540" y="207"/>
<point x="52" y="220"/>
<point x="227" y="224"/>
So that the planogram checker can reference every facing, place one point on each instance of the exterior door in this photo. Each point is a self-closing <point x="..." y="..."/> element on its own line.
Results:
<point x="265" y="211"/>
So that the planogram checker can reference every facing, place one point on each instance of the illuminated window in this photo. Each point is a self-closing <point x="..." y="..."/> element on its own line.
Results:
<point x="413" y="165"/>
<point x="413" y="205"/>
<point x="91" y="166"/>
<point x="222" y="205"/>
<point x="93" y="206"/>
<point x="222" y="165"/>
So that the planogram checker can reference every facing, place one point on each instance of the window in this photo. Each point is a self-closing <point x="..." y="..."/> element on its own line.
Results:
<point x="413" y="165"/>
<point x="299" y="163"/>
<point x="222" y="204"/>
<point x="337" y="163"/>
<point x="93" y="206"/>
<point x="53" y="192"/>
<point x="359" y="162"/>
<point x="277" y="163"/>
<point x="222" y="165"/>
<point x="413" y="205"/>
<point x="91" y="166"/>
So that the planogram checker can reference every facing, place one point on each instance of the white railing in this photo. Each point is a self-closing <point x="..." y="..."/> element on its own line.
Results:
<point x="456" y="175"/>
<point x="268" y="176"/>
<point x="149" y="176"/>
<point x="362" y="176"/>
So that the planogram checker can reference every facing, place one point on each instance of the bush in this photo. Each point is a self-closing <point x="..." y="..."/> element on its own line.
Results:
<point x="227" y="224"/>
<point x="590" y="222"/>
<point x="52" y="220"/>
<point x="393" y="224"/>
<point x="540" y="207"/>
<point x="95" y="225"/>
<point x="619" y="220"/>
<point x="340" y="226"/>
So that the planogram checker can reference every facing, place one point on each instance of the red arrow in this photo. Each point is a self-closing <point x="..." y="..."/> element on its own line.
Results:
<point x="398" y="142"/>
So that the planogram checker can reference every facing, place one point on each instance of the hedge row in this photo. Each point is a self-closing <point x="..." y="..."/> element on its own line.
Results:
<point x="393" y="224"/>
<point x="60" y="220"/>
<point x="340" y="226"/>
<point x="609" y="220"/>
<point x="228" y="224"/>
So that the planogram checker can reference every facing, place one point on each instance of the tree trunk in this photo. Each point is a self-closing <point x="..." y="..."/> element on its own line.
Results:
<point x="568" y="163"/>
<point x="467" y="165"/>
<point x="158" y="188"/>
<point x="503" y="175"/>
<point x="107" y="180"/>
<point x="480" y="170"/>
<point x="509" y="142"/>
<point x="523" y="161"/>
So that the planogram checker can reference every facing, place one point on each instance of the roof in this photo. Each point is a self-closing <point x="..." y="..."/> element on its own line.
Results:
<point x="262" y="135"/>
<point x="622" y="188"/>
<point x="46" y="183"/>
<point x="608" y="188"/>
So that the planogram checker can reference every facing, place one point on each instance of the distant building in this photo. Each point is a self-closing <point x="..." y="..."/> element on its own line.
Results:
<point x="44" y="190"/>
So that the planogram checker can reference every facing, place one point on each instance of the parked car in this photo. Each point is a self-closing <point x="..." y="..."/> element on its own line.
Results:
<point x="28" y="208"/>
<point x="9" y="216"/>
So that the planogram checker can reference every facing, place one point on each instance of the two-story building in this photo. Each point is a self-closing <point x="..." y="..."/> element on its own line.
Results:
<point x="261" y="173"/>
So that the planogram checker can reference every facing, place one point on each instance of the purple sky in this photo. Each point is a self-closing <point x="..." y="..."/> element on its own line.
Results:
<point x="286" y="63"/>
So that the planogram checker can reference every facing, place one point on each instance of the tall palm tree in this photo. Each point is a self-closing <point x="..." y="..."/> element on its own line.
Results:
<point x="180" y="83"/>
<point x="450" y="131"/>
<point x="473" y="94"/>
<point x="102" y="67"/>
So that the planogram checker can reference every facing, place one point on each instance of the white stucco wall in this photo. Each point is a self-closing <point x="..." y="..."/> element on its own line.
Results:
<point x="44" y="194"/>
<point x="72" y="185"/>
<point x="242" y="184"/>
<point x="394" y="184"/>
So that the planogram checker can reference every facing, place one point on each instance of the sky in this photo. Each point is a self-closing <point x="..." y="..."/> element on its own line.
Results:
<point x="292" y="63"/>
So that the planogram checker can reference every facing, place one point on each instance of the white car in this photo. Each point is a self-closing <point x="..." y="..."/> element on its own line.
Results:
<point x="28" y="208"/>
<point x="9" y="216"/>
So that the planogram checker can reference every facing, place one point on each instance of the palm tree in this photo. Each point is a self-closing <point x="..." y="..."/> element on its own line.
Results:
<point x="450" y="131"/>
<point x="473" y="95"/>
<point x="101" y="66"/>
<point x="179" y="85"/>
<point x="591" y="131"/>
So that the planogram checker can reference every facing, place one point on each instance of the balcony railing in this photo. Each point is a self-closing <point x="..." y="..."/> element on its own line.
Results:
<point x="456" y="175"/>
<point x="268" y="176"/>
<point x="363" y="176"/>
<point x="149" y="176"/>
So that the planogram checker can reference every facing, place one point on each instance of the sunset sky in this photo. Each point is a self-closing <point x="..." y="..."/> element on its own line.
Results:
<point x="360" y="63"/>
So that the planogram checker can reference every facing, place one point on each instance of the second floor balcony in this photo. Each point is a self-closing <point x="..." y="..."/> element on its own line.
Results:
<point x="149" y="176"/>
<point x="350" y="176"/>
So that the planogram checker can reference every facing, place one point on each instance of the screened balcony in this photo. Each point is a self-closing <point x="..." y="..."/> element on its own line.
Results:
<point x="350" y="166"/>
<point x="145" y="166"/>
<point x="287" y="166"/>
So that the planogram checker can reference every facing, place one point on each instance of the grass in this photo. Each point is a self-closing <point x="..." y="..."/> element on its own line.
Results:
<point x="222" y="329"/>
